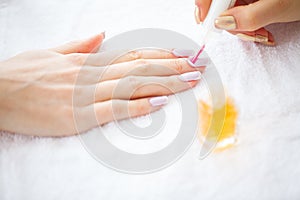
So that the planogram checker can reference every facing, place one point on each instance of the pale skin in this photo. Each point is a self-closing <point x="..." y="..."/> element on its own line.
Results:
<point x="37" y="87"/>
<point x="251" y="16"/>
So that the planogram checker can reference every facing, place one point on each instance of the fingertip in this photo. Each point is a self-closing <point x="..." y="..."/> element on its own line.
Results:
<point x="194" y="83"/>
<point x="144" y="106"/>
<point x="93" y="44"/>
<point x="203" y="7"/>
<point x="271" y="41"/>
<point x="89" y="45"/>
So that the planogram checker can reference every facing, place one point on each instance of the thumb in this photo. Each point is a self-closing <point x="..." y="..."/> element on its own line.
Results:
<point x="249" y="17"/>
<point x="88" y="45"/>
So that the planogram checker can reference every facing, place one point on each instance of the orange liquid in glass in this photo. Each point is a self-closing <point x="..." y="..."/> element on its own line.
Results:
<point x="224" y="134"/>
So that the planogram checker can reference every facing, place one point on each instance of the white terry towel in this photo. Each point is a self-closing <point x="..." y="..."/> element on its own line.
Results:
<point x="264" y="81"/>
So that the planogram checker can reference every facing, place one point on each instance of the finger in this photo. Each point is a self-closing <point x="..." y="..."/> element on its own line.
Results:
<point x="250" y="17"/>
<point x="149" y="67"/>
<point x="113" y="110"/>
<point x="146" y="54"/>
<point x="133" y="87"/>
<point x="81" y="46"/>
<point x="119" y="56"/>
<point x="202" y="7"/>
<point x="261" y="36"/>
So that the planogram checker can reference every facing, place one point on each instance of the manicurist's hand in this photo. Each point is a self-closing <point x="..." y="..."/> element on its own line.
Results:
<point x="248" y="17"/>
<point x="42" y="91"/>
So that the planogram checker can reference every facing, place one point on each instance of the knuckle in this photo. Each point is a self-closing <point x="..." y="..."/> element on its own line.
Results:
<point x="141" y="62"/>
<point x="76" y="58"/>
<point x="178" y="65"/>
<point x="141" y="108"/>
<point x="117" y="109"/>
<point x="163" y="53"/>
<point x="133" y="82"/>
<point x="145" y="69"/>
<point x="166" y="54"/>
<point x="171" y="84"/>
<point x="134" y="55"/>
<point x="283" y="4"/>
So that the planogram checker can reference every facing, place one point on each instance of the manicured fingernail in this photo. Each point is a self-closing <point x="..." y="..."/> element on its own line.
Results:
<point x="271" y="41"/>
<point x="182" y="52"/>
<point x="261" y="39"/>
<point x="245" y="37"/>
<point x="158" y="101"/>
<point x="190" y="76"/>
<point x="257" y="38"/>
<point x="197" y="14"/>
<point x="225" y="23"/>
<point x="200" y="62"/>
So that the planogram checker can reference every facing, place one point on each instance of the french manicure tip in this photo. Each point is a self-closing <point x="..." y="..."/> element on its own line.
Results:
<point x="158" y="101"/>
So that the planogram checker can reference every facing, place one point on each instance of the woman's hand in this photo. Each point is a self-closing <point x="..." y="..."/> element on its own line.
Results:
<point x="42" y="92"/>
<point x="248" y="17"/>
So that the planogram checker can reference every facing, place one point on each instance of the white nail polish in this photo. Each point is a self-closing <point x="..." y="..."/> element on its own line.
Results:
<point x="158" y="101"/>
<point x="190" y="76"/>
<point x="183" y="52"/>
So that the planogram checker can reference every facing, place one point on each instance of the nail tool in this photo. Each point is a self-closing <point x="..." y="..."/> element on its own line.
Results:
<point x="208" y="25"/>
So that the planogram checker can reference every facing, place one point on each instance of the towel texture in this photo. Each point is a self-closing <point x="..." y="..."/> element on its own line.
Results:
<point x="264" y="81"/>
